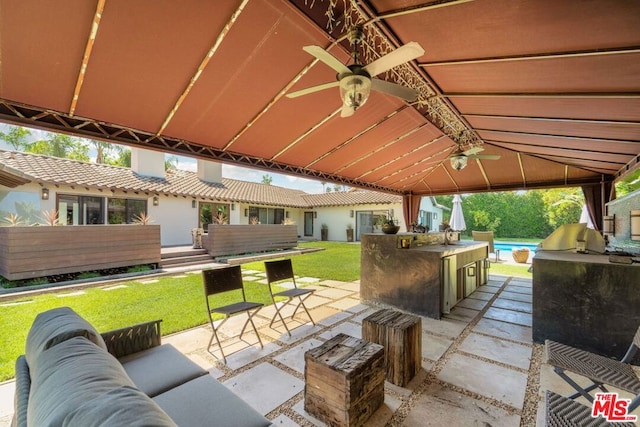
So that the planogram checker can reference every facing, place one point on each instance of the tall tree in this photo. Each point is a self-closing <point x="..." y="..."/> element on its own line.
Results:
<point x="267" y="179"/>
<point x="16" y="137"/>
<point x="60" y="145"/>
<point x="103" y="150"/>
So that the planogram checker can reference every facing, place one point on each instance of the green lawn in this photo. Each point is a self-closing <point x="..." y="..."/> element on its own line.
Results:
<point x="178" y="300"/>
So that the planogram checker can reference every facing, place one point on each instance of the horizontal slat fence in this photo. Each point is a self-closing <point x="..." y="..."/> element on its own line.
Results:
<point x="236" y="239"/>
<point x="30" y="252"/>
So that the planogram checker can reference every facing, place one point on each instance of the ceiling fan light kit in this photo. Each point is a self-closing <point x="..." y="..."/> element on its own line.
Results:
<point x="355" y="90"/>
<point x="458" y="162"/>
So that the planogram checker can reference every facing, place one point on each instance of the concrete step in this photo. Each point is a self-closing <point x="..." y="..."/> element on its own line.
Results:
<point x="182" y="252"/>
<point x="176" y="261"/>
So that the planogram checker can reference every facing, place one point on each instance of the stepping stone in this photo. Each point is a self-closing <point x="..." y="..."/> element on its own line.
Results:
<point x="265" y="387"/>
<point x="510" y="316"/>
<point x="496" y="349"/>
<point x="486" y="379"/>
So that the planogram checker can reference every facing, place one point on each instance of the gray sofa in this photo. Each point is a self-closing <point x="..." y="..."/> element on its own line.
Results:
<point x="70" y="375"/>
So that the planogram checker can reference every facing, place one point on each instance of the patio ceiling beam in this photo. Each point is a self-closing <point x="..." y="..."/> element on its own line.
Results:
<point x="557" y="147"/>
<point x="483" y="172"/>
<point x="307" y="133"/>
<point x="536" y="56"/>
<point x="26" y="115"/>
<point x="356" y="136"/>
<point x="545" y="95"/>
<point x="87" y="55"/>
<point x="426" y="144"/>
<point x="564" y="137"/>
<point x="203" y="64"/>
<point x="630" y="167"/>
<point x="522" y="172"/>
<point x="415" y="9"/>
<point x="423" y="160"/>
<point x="552" y="119"/>
<point x="384" y="146"/>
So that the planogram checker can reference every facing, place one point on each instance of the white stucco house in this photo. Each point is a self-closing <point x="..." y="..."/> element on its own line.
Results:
<point x="177" y="200"/>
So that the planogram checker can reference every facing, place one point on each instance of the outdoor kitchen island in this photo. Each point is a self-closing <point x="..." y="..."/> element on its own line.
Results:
<point x="416" y="273"/>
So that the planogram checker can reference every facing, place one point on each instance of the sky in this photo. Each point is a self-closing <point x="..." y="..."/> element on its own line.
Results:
<point x="228" y="171"/>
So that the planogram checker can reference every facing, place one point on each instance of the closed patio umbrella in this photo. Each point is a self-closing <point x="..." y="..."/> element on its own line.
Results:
<point x="585" y="218"/>
<point x="457" y="218"/>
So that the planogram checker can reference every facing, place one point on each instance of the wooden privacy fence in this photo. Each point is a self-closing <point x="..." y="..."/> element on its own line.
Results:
<point x="236" y="239"/>
<point x="29" y="252"/>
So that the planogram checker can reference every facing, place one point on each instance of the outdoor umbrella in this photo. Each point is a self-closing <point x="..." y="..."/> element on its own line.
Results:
<point x="585" y="218"/>
<point x="457" y="218"/>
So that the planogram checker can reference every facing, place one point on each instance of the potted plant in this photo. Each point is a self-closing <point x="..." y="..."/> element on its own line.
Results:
<point x="349" y="233"/>
<point x="324" y="232"/>
<point x="389" y="225"/>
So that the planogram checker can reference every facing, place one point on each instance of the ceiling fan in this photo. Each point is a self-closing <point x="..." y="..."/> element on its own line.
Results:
<point x="459" y="157"/>
<point x="356" y="80"/>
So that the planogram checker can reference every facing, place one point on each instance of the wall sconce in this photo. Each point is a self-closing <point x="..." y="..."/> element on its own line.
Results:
<point x="315" y="215"/>
<point x="435" y="215"/>
<point x="351" y="213"/>
<point x="194" y="203"/>
<point x="246" y="212"/>
<point x="45" y="194"/>
<point x="156" y="201"/>
<point x="635" y="224"/>
<point x="233" y="206"/>
<point x="609" y="225"/>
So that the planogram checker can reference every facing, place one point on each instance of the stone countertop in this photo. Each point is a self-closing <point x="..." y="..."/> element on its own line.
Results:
<point x="453" y="248"/>
<point x="573" y="256"/>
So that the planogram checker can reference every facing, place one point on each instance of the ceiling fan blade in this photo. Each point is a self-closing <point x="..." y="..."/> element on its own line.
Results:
<point x="312" y="89"/>
<point x="484" y="156"/>
<point x="406" y="53"/>
<point x="347" y="111"/>
<point x="327" y="58"/>
<point x="473" y="150"/>
<point x="394" y="89"/>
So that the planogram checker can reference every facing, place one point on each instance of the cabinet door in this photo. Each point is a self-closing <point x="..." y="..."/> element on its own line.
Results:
<point x="470" y="278"/>
<point x="449" y="284"/>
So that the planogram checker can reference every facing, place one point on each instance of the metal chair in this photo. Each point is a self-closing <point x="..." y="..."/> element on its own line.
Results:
<point x="278" y="271"/>
<point x="599" y="369"/>
<point x="226" y="280"/>
<point x="486" y="236"/>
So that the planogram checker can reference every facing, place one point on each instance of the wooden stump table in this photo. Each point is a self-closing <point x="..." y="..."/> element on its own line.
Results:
<point x="344" y="380"/>
<point x="401" y="336"/>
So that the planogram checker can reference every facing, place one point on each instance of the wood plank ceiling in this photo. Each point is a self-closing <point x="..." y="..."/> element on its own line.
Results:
<point x="552" y="87"/>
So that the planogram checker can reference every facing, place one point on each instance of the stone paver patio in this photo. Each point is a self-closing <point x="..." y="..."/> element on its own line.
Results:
<point x="480" y="366"/>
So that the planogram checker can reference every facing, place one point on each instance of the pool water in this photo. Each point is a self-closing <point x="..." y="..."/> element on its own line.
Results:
<point x="508" y="246"/>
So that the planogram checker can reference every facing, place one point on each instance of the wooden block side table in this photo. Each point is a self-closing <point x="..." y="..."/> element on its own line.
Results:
<point x="401" y="336"/>
<point x="344" y="380"/>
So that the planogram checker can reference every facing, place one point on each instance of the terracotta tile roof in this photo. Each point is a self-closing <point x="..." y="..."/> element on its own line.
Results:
<point x="53" y="170"/>
<point x="354" y="197"/>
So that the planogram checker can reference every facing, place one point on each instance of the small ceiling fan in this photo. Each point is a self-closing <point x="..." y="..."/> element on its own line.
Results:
<point x="459" y="157"/>
<point x="356" y="80"/>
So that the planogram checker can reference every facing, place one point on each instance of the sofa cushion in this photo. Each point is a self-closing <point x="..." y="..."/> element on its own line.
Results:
<point x="69" y="374"/>
<point x="159" y="369"/>
<point x="124" y="406"/>
<point x="204" y="401"/>
<point x="55" y="326"/>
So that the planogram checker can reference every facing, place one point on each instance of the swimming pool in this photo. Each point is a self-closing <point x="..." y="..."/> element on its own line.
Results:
<point x="508" y="246"/>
